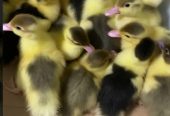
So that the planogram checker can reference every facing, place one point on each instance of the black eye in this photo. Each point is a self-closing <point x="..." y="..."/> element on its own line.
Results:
<point x="127" y="36"/>
<point x="18" y="28"/>
<point x="167" y="52"/>
<point x="127" y="5"/>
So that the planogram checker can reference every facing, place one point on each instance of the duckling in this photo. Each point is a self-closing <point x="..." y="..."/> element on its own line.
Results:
<point x="70" y="38"/>
<point x="142" y="30"/>
<point x="11" y="40"/>
<point x="123" y="86"/>
<point x="82" y="82"/>
<point x="41" y="64"/>
<point x="132" y="11"/>
<point x="38" y="8"/>
<point x="133" y="29"/>
<point x="156" y="91"/>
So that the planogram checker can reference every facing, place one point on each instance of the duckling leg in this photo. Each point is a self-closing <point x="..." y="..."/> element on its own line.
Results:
<point x="11" y="86"/>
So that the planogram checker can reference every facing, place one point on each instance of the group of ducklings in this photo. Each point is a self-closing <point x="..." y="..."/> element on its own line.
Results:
<point x="90" y="57"/>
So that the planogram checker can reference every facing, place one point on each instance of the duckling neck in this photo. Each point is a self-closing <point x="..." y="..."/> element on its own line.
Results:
<point x="34" y="44"/>
<point x="70" y="50"/>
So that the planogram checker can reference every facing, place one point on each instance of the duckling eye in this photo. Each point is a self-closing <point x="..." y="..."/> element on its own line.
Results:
<point x="167" y="52"/>
<point x="127" y="5"/>
<point x="18" y="28"/>
<point x="127" y="36"/>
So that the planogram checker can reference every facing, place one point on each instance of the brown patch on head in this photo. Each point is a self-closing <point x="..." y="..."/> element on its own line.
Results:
<point x="22" y="20"/>
<point x="133" y="28"/>
<point x="148" y="8"/>
<point x="99" y="58"/>
<point x="79" y="36"/>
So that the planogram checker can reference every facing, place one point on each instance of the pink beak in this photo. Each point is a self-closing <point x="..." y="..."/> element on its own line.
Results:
<point x="7" y="27"/>
<point x="113" y="33"/>
<point x="89" y="48"/>
<point x="114" y="10"/>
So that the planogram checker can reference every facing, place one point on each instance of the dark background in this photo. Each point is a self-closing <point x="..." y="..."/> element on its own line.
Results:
<point x="1" y="59"/>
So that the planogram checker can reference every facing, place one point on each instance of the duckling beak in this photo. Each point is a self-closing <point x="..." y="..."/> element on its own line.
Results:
<point x="113" y="11"/>
<point x="89" y="48"/>
<point x="7" y="27"/>
<point x="114" y="33"/>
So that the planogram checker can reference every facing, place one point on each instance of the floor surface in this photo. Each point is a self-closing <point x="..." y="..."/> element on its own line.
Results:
<point x="13" y="104"/>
